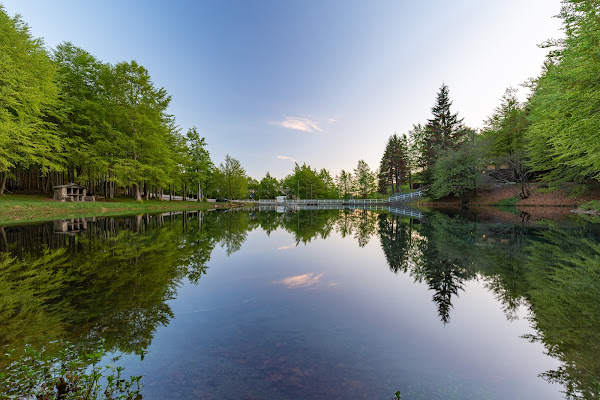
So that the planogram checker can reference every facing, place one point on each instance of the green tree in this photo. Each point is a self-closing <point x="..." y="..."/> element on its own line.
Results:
<point x="505" y="134"/>
<point x="144" y="128"/>
<point x="344" y="184"/>
<point x="306" y="183"/>
<point x="457" y="173"/>
<point x="268" y="187"/>
<point x="364" y="179"/>
<point x="231" y="180"/>
<point x="199" y="165"/>
<point x="394" y="167"/>
<point x="564" y="136"/>
<point x="91" y="151"/>
<point x="443" y="132"/>
<point x="29" y="97"/>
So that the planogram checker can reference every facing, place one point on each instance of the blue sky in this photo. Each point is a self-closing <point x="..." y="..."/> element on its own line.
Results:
<point x="318" y="81"/>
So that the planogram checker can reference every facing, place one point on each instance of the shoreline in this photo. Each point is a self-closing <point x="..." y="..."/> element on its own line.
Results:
<point x="24" y="209"/>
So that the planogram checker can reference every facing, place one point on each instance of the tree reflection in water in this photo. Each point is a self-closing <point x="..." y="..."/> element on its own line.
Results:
<point x="112" y="282"/>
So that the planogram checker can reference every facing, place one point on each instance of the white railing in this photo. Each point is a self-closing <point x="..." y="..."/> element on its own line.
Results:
<point x="405" y="211"/>
<point x="395" y="198"/>
<point x="399" y="197"/>
<point x="316" y="202"/>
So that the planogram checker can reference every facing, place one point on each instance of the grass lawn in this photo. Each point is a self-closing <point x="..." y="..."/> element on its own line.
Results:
<point x="33" y="208"/>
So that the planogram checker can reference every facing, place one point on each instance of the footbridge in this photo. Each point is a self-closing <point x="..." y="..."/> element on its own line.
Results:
<point x="393" y="204"/>
<point x="396" y="198"/>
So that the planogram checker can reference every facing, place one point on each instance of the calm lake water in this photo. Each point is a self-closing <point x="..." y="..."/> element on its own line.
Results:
<point x="316" y="304"/>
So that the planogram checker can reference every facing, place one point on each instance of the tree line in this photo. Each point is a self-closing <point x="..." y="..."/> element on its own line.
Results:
<point x="66" y="116"/>
<point x="553" y="136"/>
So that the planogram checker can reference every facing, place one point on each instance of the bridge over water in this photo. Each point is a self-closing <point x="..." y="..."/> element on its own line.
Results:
<point x="392" y="204"/>
<point x="392" y="200"/>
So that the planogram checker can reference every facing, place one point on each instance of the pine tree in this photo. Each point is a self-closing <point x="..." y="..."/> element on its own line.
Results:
<point x="393" y="168"/>
<point x="444" y="131"/>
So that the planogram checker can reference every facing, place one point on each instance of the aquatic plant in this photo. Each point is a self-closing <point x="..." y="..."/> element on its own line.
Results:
<point x="68" y="375"/>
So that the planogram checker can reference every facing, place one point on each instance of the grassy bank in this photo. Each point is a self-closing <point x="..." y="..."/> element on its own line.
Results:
<point x="34" y="208"/>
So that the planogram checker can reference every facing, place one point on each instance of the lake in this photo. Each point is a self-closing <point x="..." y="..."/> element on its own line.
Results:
<point x="323" y="304"/>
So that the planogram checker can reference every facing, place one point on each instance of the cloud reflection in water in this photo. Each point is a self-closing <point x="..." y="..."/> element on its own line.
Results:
<point x="299" y="281"/>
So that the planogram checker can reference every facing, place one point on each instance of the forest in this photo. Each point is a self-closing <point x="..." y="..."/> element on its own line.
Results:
<point x="66" y="116"/>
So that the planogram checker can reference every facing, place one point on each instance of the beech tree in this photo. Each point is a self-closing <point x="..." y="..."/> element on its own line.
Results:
<point x="29" y="100"/>
<point x="268" y="187"/>
<point x="505" y="135"/>
<point x="364" y="179"/>
<point x="564" y="136"/>
<point x="344" y="184"/>
<point x="230" y="179"/>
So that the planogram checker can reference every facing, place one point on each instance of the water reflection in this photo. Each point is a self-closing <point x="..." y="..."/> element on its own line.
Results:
<point x="300" y="281"/>
<point x="112" y="279"/>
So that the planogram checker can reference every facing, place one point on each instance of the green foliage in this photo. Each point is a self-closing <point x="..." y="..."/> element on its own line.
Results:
<point x="456" y="173"/>
<point x="564" y="137"/>
<point x="308" y="183"/>
<point x="593" y="205"/>
<point x="564" y="271"/>
<point x="29" y="98"/>
<point x="198" y="165"/>
<point x="443" y="133"/>
<point x="510" y="202"/>
<point x="394" y="167"/>
<point x="505" y="142"/>
<point x="68" y="375"/>
<point x="509" y="205"/>
<point x="364" y="180"/>
<point x="103" y="125"/>
<point x="230" y="180"/>
<point x="343" y="184"/>
<point x="268" y="187"/>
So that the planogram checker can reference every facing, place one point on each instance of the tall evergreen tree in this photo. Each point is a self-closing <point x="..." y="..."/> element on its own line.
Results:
<point x="199" y="166"/>
<point x="394" y="168"/>
<point x="444" y="131"/>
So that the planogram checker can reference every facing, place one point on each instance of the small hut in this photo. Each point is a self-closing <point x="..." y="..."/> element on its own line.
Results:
<point x="71" y="192"/>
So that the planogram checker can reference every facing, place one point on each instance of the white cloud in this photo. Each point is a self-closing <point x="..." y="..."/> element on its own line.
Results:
<point x="286" y="247"/>
<point x="299" y="124"/>
<point x="332" y="121"/>
<point x="286" y="158"/>
<point x="299" y="281"/>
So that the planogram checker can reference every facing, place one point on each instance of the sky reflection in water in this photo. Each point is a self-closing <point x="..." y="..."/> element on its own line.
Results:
<point x="339" y="305"/>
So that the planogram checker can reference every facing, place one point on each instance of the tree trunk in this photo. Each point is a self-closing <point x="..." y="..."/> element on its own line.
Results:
<point x="2" y="183"/>
<point x="199" y="193"/>
<point x="137" y="193"/>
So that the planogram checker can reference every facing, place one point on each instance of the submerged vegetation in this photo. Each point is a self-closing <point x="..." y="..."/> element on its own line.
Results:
<point x="70" y="375"/>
